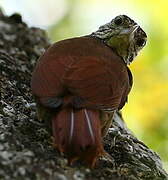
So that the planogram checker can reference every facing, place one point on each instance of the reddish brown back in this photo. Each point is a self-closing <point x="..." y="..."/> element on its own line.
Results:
<point x="80" y="76"/>
<point x="82" y="67"/>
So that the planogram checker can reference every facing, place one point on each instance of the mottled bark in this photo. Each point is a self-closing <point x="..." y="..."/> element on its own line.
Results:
<point x="26" y="151"/>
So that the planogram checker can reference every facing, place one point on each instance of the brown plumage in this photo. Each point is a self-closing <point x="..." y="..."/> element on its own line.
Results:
<point x="78" y="84"/>
<point x="79" y="79"/>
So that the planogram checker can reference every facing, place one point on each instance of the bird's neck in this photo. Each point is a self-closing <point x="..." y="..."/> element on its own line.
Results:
<point x="107" y="40"/>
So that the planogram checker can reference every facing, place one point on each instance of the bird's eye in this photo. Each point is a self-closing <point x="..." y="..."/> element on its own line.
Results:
<point x="141" y="42"/>
<point x="118" y="21"/>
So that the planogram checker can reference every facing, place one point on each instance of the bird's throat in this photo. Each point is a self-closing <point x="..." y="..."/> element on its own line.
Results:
<point x="120" y="44"/>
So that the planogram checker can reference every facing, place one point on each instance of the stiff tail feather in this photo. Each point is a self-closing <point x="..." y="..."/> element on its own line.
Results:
<point x="77" y="133"/>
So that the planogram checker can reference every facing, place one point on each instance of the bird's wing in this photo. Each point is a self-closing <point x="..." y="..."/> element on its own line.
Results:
<point x="127" y="90"/>
<point x="46" y="83"/>
<point x="94" y="81"/>
<point x="83" y="68"/>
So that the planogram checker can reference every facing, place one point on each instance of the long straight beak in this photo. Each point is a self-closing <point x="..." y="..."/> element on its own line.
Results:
<point x="129" y="31"/>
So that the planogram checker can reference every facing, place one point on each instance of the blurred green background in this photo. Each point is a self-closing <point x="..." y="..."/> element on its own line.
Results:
<point x="146" y="113"/>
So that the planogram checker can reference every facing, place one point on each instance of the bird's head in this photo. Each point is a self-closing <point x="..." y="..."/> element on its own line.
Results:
<point x="124" y="36"/>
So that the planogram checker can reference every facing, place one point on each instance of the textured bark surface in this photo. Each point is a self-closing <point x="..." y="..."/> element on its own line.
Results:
<point x="26" y="151"/>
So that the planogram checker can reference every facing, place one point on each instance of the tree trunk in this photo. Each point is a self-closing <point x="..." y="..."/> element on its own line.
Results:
<point x="26" y="151"/>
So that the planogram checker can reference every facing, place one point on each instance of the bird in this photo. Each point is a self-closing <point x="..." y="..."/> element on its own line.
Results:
<point x="79" y="83"/>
